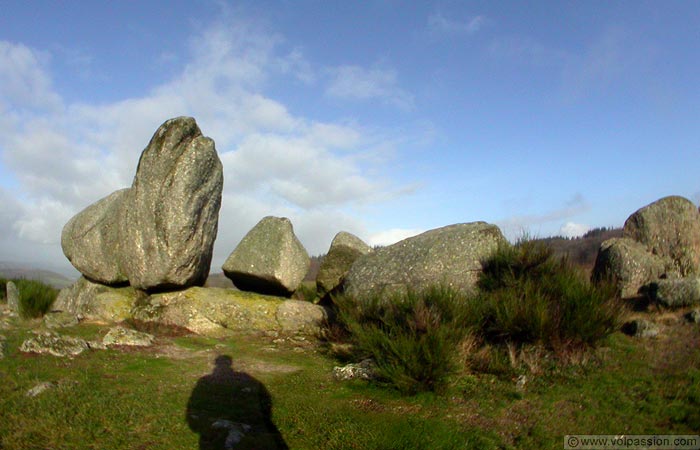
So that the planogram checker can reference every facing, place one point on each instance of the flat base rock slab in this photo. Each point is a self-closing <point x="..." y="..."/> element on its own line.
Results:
<point x="220" y="312"/>
<point x="450" y="256"/>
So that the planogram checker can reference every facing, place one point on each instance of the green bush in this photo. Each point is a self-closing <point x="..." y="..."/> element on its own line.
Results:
<point x="35" y="297"/>
<point x="413" y="338"/>
<point x="529" y="296"/>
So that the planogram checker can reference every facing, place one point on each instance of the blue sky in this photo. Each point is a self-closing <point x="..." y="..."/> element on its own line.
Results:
<point x="382" y="118"/>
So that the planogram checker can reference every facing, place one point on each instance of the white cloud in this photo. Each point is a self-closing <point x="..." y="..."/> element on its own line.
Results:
<point x="353" y="82"/>
<point x="65" y="157"/>
<point x="392" y="236"/>
<point x="439" y="24"/>
<point x="23" y="79"/>
<point x="573" y="230"/>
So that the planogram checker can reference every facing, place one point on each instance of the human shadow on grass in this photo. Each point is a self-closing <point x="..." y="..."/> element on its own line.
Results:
<point x="231" y="409"/>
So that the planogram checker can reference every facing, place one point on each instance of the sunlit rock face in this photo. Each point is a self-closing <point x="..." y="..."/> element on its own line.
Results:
<point x="160" y="232"/>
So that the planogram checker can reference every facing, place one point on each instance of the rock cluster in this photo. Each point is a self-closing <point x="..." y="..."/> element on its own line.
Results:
<point x="660" y="243"/>
<point x="144" y="250"/>
<point x="160" y="232"/>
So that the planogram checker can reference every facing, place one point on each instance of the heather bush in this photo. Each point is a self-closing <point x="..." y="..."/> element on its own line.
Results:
<point x="412" y="337"/>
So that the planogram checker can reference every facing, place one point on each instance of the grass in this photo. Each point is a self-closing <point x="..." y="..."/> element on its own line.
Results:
<point x="138" y="398"/>
<point x="35" y="297"/>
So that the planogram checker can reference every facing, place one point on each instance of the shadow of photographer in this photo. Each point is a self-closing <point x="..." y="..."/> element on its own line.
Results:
<point x="230" y="409"/>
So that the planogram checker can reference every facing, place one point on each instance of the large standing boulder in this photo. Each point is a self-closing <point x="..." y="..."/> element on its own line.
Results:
<point x="450" y="256"/>
<point x="172" y="218"/>
<point x="344" y="250"/>
<point x="159" y="233"/>
<point x="269" y="259"/>
<point x="628" y="264"/>
<point x="669" y="228"/>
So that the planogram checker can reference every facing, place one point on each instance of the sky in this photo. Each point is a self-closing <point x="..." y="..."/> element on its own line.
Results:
<point x="383" y="118"/>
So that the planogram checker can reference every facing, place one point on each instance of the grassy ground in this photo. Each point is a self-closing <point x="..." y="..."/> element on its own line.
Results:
<point x="126" y="398"/>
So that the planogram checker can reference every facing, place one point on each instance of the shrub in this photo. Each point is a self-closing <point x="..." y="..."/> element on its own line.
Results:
<point x="529" y="296"/>
<point x="35" y="297"/>
<point x="413" y="337"/>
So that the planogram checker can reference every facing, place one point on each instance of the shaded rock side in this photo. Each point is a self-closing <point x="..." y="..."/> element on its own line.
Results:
<point x="343" y="252"/>
<point x="91" y="240"/>
<point x="669" y="228"/>
<point x="88" y="300"/>
<point x="628" y="264"/>
<point x="173" y="209"/>
<point x="450" y="256"/>
<point x="269" y="259"/>
<point x="677" y="293"/>
<point x="219" y="312"/>
<point x="160" y="232"/>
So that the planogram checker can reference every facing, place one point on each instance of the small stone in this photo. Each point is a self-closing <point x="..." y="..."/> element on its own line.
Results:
<point x="364" y="370"/>
<point x="236" y="431"/>
<point x="54" y="344"/>
<point x="641" y="328"/>
<point x="60" y="319"/>
<point x="693" y="316"/>
<point x="126" y="336"/>
<point x="39" y="388"/>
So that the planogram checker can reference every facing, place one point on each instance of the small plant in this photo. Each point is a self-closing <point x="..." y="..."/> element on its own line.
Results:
<point x="414" y="338"/>
<point x="529" y="296"/>
<point x="306" y="292"/>
<point x="35" y="297"/>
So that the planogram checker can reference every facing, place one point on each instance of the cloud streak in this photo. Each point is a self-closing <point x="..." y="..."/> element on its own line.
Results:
<point x="351" y="82"/>
<point x="438" y="24"/>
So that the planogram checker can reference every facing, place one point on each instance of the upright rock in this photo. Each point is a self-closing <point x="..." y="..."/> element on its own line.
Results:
<point x="344" y="250"/>
<point x="174" y="202"/>
<point x="669" y="228"/>
<point x="159" y="233"/>
<point x="269" y="260"/>
<point x="12" y="297"/>
<point x="450" y="256"/>
<point x="628" y="264"/>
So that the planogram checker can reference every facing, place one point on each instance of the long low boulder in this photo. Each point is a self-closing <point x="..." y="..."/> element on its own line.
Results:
<point x="677" y="293"/>
<point x="451" y="256"/>
<point x="206" y="311"/>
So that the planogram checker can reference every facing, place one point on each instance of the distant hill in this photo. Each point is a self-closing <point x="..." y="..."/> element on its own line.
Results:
<point x="10" y="271"/>
<point x="583" y="251"/>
